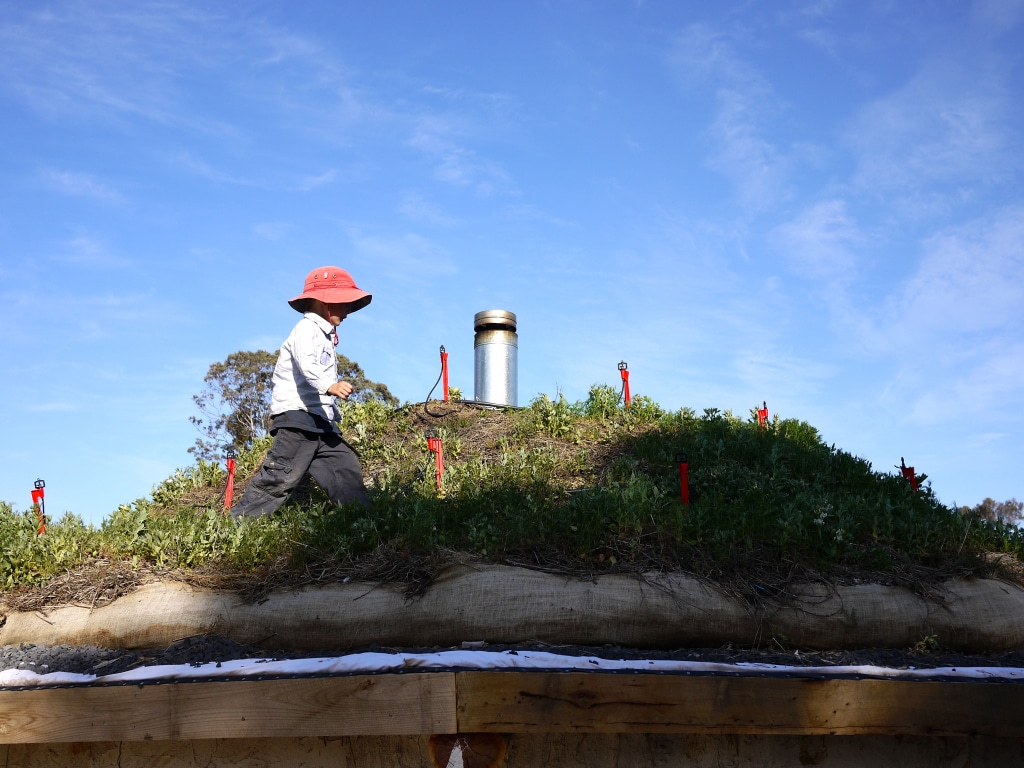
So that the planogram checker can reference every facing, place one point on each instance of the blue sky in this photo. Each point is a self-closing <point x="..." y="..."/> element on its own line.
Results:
<point x="814" y="204"/>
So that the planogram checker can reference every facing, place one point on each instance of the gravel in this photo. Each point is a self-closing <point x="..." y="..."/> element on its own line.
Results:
<point x="90" y="660"/>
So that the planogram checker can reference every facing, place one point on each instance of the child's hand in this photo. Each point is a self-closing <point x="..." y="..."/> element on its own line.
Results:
<point x="340" y="389"/>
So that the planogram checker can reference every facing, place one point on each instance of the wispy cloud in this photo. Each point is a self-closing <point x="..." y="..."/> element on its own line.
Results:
<point x="998" y="16"/>
<point x="965" y="294"/>
<point x="309" y="183"/>
<point x="970" y="280"/>
<point x="995" y="386"/>
<point x="946" y="126"/>
<point x="88" y="250"/>
<point x="754" y="164"/>
<point x="812" y="24"/>
<point x="417" y="208"/>
<point x="110" y="62"/>
<point x="450" y="125"/>
<point x="403" y="257"/>
<point x="987" y="389"/>
<point x="442" y="138"/>
<point x="81" y="185"/>
<point x="703" y="57"/>
<point x="91" y="61"/>
<point x="771" y="371"/>
<point x="61" y="406"/>
<point x="534" y="213"/>
<point x="200" y="168"/>
<point x="820" y="242"/>
<point x="159" y="63"/>
<point x="954" y="327"/>
<point x="37" y="315"/>
<point x="271" y="230"/>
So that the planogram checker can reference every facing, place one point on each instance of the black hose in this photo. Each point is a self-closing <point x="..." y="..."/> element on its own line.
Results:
<point x="426" y="403"/>
<point x="476" y="403"/>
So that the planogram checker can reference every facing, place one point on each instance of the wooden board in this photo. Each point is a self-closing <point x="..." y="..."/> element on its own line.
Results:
<point x="369" y="705"/>
<point x="524" y="702"/>
<point x="509" y="702"/>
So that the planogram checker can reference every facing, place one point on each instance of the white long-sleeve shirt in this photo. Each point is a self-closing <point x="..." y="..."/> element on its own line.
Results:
<point x="306" y="368"/>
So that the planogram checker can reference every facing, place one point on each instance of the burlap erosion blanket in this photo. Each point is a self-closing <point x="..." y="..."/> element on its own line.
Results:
<point x="500" y="604"/>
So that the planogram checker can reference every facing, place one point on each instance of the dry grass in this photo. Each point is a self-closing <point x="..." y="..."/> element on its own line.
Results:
<point x="91" y="585"/>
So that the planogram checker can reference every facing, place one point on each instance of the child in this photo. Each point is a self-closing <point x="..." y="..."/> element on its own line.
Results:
<point x="302" y="408"/>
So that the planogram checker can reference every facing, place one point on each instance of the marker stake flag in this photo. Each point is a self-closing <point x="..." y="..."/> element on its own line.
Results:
<point x="908" y="474"/>
<point x="436" y="446"/>
<point x="684" y="478"/>
<point x="229" y="492"/>
<point x="39" y="502"/>
<point x="444" y="373"/>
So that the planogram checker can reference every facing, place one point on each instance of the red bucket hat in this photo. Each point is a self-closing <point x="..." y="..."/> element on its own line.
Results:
<point x="332" y="285"/>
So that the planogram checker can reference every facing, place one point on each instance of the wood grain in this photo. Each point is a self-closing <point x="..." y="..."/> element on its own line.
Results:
<point x="509" y="702"/>
<point x="369" y="705"/>
<point x="586" y="702"/>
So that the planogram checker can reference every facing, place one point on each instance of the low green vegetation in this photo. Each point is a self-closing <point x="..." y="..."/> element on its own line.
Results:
<point x="566" y="486"/>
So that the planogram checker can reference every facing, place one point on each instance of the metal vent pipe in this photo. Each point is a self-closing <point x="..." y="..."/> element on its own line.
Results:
<point x="495" y="358"/>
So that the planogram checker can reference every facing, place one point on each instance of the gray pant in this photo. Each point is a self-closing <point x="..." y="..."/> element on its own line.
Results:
<point x="328" y="458"/>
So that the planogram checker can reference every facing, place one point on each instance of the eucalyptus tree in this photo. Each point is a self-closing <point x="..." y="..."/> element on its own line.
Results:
<point x="234" y="406"/>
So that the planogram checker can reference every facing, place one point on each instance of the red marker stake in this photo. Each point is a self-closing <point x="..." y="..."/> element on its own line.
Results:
<point x="435" y="445"/>
<point x="908" y="474"/>
<point x="229" y="492"/>
<point x="38" y="501"/>
<point x="762" y="415"/>
<point x="444" y="372"/>
<point x="684" y="478"/>
<point x="624" y="372"/>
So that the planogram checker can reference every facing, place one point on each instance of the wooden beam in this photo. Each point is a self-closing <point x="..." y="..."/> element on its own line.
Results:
<point x="371" y="705"/>
<point x="521" y="702"/>
<point x="509" y="702"/>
